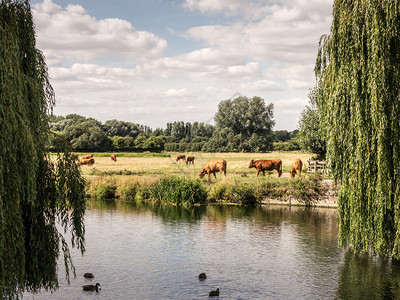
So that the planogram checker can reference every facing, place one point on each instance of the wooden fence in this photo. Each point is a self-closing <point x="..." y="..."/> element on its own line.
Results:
<point x="317" y="166"/>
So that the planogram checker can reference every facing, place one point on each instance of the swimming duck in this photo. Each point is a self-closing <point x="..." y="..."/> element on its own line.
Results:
<point x="91" y="287"/>
<point x="202" y="276"/>
<point x="214" y="293"/>
<point x="88" y="275"/>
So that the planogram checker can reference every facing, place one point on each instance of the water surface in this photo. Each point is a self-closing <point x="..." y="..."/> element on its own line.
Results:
<point x="268" y="252"/>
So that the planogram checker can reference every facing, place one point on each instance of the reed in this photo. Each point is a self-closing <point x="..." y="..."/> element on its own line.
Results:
<point x="179" y="190"/>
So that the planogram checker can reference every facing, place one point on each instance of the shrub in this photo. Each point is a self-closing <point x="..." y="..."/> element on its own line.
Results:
<point x="220" y="192"/>
<point x="243" y="194"/>
<point x="179" y="191"/>
<point x="306" y="188"/>
<point x="128" y="191"/>
<point x="105" y="191"/>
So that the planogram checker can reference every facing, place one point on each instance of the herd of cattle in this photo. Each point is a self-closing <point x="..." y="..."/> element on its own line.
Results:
<point x="261" y="165"/>
<point x="89" y="160"/>
<point x="219" y="165"/>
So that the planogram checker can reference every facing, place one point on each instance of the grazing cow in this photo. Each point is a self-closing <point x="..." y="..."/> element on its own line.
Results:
<point x="87" y="161"/>
<point x="190" y="159"/>
<point x="213" y="166"/>
<point x="113" y="157"/>
<point x="266" y="165"/>
<point x="74" y="156"/>
<point x="180" y="156"/>
<point x="87" y="156"/>
<point x="296" y="168"/>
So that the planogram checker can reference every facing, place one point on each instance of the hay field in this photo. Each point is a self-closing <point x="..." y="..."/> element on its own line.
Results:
<point x="237" y="164"/>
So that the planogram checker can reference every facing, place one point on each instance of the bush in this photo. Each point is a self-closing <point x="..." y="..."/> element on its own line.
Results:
<point x="105" y="191"/>
<point x="128" y="192"/>
<point x="179" y="191"/>
<point x="243" y="194"/>
<point x="306" y="188"/>
<point x="219" y="193"/>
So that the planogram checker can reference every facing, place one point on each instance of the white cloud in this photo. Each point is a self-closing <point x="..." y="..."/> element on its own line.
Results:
<point x="260" y="85"/>
<point x="177" y="93"/>
<point x="72" y="32"/>
<point x="289" y="32"/>
<point x="249" y="9"/>
<point x="106" y="68"/>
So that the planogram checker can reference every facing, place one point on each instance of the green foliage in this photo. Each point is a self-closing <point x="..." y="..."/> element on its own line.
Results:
<point x="242" y="125"/>
<point x="106" y="191"/>
<point x="219" y="193"/>
<point x="311" y="136"/>
<point x="244" y="194"/>
<point x="358" y="98"/>
<point x="290" y="145"/>
<point x="306" y="189"/>
<point x="128" y="192"/>
<point x="122" y="129"/>
<point x="180" y="191"/>
<point x="36" y="191"/>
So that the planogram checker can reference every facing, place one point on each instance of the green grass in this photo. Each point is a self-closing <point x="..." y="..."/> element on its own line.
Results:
<point x="182" y="190"/>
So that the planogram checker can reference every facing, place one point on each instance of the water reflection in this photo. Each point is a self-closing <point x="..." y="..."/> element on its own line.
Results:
<point x="141" y="251"/>
<point x="366" y="277"/>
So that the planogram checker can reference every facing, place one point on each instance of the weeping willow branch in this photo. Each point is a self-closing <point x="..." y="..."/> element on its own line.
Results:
<point x="357" y="70"/>
<point x="36" y="191"/>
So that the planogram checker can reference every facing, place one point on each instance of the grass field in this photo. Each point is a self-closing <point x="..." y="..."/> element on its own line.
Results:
<point x="156" y="177"/>
<point x="156" y="166"/>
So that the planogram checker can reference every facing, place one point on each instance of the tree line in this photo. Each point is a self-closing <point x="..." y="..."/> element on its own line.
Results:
<point x="241" y="125"/>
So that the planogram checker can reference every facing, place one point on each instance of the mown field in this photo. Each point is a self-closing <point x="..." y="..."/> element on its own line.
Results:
<point x="158" y="177"/>
<point x="153" y="166"/>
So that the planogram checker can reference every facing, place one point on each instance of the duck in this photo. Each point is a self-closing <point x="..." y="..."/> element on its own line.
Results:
<point x="214" y="293"/>
<point x="202" y="276"/>
<point x="88" y="275"/>
<point x="91" y="287"/>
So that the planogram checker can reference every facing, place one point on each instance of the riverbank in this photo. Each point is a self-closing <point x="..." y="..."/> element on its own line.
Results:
<point x="307" y="190"/>
<point x="163" y="179"/>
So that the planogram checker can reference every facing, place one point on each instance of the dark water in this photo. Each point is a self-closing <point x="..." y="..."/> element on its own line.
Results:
<point x="140" y="252"/>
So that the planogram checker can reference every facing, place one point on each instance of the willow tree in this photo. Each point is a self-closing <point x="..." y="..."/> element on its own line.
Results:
<point x="358" y="79"/>
<point x="36" y="191"/>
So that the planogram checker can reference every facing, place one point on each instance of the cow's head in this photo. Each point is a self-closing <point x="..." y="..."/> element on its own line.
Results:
<point x="252" y="163"/>
<point x="202" y="173"/>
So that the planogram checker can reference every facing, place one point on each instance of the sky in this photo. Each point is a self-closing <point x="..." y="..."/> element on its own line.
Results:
<point x="156" y="61"/>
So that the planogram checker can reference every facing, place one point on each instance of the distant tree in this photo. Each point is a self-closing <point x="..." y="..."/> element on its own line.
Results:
<point x="242" y="124"/>
<point x="154" y="143"/>
<point x="140" y="141"/>
<point x="311" y="136"/>
<point x="87" y="136"/>
<point x="282" y="135"/>
<point x="121" y="128"/>
<point x="41" y="197"/>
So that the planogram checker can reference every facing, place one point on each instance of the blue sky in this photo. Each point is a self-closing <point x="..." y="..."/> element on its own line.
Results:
<point x="156" y="61"/>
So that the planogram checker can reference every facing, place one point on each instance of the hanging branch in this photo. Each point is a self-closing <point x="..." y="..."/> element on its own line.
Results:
<point x="35" y="189"/>
<point x="357" y="70"/>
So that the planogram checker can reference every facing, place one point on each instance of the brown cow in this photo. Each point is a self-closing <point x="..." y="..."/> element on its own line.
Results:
<point x="87" y="161"/>
<point x="213" y="166"/>
<point x="266" y="165"/>
<point x="190" y="159"/>
<point x="113" y="157"/>
<point x="87" y="156"/>
<point x="180" y="156"/>
<point x="296" y="167"/>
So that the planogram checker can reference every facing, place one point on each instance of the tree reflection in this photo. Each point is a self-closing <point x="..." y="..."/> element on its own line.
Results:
<point x="366" y="277"/>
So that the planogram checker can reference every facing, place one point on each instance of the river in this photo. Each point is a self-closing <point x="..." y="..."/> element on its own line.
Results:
<point x="270" y="252"/>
